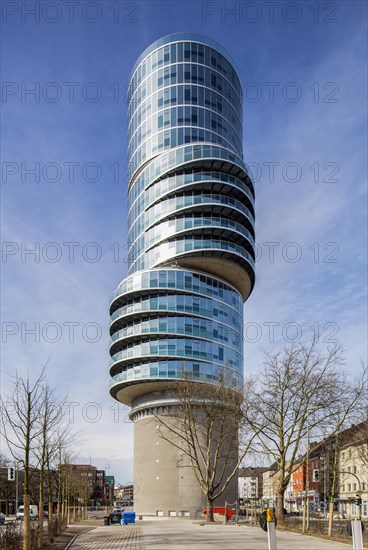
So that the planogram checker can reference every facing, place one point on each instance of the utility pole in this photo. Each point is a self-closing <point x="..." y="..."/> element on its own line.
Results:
<point x="306" y="486"/>
<point x="325" y="486"/>
<point x="16" y="487"/>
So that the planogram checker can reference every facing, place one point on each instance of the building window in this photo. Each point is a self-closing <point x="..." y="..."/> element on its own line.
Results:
<point x="159" y="513"/>
<point x="172" y="513"/>
<point x="349" y="487"/>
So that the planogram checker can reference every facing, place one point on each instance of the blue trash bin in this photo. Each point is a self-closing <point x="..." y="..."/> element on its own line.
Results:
<point x="128" y="517"/>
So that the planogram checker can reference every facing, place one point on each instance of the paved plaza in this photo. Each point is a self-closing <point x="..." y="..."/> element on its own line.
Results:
<point x="186" y="535"/>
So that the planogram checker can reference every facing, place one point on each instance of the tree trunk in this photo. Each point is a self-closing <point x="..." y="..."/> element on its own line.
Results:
<point x="26" y="523"/>
<point x="27" y="498"/>
<point x="210" y="518"/>
<point x="76" y="512"/>
<point x="58" y="513"/>
<point x="280" y="507"/>
<point x="40" y="507"/>
<point x="64" y="507"/>
<point x="40" y="519"/>
<point x="304" y="521"/>
<point x="50" y="520"/>
<point x="59" y="508"/>
<point x="330" y="519"/>
<point x="63" y="512"/>
<point x="68" y="521"/>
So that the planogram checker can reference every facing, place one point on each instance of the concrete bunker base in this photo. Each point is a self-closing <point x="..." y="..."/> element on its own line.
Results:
<point x="165" y="485"/>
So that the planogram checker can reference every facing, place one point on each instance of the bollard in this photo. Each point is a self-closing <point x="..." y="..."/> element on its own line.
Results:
<point x="271" y="529"/>
<point x="357" y="532"/>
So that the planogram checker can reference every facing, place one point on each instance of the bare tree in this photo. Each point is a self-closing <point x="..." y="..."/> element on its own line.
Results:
<point x="203" y="425"/>
<point x="300" y="390"/>
<point x="332" y="446"/>
<point x="52" y="422"/>
<point x="59" y="453"/>
<point x="52" y="476"/>
<point x="21" y="427"/>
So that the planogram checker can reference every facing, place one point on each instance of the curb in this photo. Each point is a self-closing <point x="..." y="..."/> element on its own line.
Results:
<point x="77" y="535"/>
<point x="71" y="542"/>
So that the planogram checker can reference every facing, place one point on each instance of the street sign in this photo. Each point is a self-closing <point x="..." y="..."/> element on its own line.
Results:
<point x="310" y="493"/>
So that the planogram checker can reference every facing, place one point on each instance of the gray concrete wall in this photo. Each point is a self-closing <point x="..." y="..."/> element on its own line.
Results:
<point x="163" y="480"/>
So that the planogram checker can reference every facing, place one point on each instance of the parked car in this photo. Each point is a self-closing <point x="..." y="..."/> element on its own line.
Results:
<point x="45" y="514"/>
<point x="337" y="515"/>
<point x="2" y="518"/>
<point x="33" y="511"/>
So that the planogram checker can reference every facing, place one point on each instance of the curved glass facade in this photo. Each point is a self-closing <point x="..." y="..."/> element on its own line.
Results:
<point x="191" y="220"/>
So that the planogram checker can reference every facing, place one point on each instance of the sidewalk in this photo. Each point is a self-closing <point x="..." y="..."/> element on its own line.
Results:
<point x="113" y="537"/>
<point x="184" y="535"/>
<point x="62" y="541"/>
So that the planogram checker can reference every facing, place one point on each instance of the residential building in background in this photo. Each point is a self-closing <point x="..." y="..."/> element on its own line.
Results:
<point x="86" y="473"/>
<point x="270" y="479"/>
<point x="353" y="469"/>
<point x="88" y="481"/>
<point x="124" y="495"/>
<point x="298" y="485"/>
<point x="250" y="483"/>
<point x="93" y="480"/>
<point x="250" y="489"/>
<point x="191" y="252"/>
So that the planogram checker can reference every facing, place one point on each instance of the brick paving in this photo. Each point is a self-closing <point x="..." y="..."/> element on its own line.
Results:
<point x="112" y="537"/>
<point x="184" y="535"/>
<point x="62" y="541"/>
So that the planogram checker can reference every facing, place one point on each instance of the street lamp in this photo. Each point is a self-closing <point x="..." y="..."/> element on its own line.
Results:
<point x="358" y="500"/>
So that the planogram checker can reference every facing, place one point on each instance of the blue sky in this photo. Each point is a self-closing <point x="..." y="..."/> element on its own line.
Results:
<point x="303" y="75"/>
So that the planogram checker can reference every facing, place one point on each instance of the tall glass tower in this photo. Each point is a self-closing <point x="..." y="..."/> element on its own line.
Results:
<point x="191" y="255"/>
